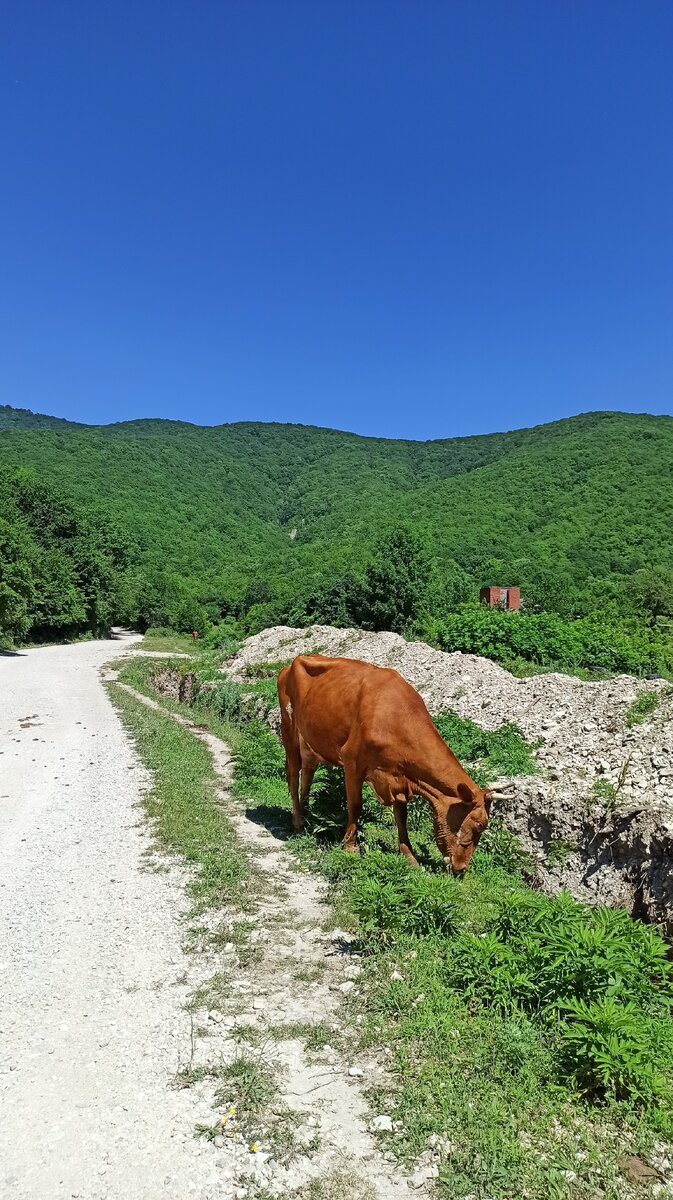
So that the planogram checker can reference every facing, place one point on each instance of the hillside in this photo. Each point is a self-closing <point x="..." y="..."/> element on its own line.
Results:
<point x="251" y="513"/>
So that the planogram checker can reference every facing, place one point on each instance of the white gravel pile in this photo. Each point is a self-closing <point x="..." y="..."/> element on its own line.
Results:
<point x="606" y="848"/>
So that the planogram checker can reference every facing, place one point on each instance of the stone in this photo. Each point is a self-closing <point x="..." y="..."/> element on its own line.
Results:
<point x="381" y="1124"/>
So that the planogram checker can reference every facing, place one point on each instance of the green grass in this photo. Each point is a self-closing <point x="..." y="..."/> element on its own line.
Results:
<point x="642" y="708"/>
<point x="171" y="643"/>
<point x="183" y="805"/>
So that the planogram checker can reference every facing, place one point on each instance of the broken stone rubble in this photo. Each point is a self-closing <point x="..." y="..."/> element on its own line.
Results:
<point x="607" y="844"/>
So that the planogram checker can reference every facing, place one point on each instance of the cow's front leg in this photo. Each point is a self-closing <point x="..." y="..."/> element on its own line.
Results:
<point x="292" y="765"/>
<point x="354" y="781"/>
<point x="308" y="769"/>
<point x="400" y="811"/>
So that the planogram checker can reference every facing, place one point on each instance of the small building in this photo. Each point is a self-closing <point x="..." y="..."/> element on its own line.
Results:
<point x="501" y="597"/>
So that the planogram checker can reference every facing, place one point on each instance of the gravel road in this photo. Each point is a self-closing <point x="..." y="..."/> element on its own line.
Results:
<point x="91" y="1021"/>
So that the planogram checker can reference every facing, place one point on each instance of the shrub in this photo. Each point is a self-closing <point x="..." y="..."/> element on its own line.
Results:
<point x="555" y="642"/>
<point x="608" y="1048"/>
<point x="224" y="700"/>
<point x="390" y="897"/>
<point x="259" y="755"/>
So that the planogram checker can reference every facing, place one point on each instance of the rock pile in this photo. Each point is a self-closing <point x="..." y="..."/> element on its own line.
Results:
<point x="599" y="815"/>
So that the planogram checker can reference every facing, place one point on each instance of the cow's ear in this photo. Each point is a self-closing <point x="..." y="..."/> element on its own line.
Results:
<point x="488" y="800"/>
<point x="466" y="795"/>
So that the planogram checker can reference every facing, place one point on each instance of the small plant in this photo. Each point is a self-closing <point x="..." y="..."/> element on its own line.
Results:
<point x="643" y="706"/>
<point x="391" y="898"/>
<point x="247" y="1084"/>
<point x="604" y="790"/>
<point x="559" y="851"/>
<point x="499" y="848"/>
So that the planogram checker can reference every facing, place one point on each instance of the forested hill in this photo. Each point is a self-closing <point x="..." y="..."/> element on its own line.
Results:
<point x="267" y="516"/>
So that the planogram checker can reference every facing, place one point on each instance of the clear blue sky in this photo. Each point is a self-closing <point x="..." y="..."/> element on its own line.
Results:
<point x="410" y="219"/>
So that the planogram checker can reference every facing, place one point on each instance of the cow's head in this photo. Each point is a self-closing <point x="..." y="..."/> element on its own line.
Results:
<point x="459" y="821"/>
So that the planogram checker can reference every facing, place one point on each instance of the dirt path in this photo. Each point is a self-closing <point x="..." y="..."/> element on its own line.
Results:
<point x="92" y="1024"/>
<point x="301" y="975"/>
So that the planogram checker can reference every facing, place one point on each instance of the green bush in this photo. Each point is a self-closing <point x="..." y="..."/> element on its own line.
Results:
<point x="223" y="700"/>
<point x="609" y="1048"/>
<point x="259" y="755"/>
<point x="502" y="751"/>
<point x="389" y="897"/>
<point x="552" y="641"/>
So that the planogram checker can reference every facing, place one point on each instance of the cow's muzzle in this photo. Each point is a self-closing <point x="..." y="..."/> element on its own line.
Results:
<point x="450" y="869"/>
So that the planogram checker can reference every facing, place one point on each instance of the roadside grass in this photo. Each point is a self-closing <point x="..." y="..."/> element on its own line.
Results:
<point x="529" y="1038"/>
<point x="248" y="1095"/>
<point x="183" y="805"/>
<point x="169" y="643"/>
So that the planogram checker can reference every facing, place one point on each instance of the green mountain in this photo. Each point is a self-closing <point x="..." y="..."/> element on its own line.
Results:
<point x="255" y="514"/>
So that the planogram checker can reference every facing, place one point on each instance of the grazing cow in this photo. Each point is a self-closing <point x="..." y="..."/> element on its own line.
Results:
<point x="371" y="722"/>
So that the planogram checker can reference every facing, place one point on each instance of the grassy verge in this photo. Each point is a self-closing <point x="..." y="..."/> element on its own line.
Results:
<point x="170" y="643"/>
<point x="528" y="1039"/>
<point x="183" y="805"/>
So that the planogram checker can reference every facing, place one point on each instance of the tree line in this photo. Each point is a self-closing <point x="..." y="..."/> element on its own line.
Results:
<point x="157" y="523"/>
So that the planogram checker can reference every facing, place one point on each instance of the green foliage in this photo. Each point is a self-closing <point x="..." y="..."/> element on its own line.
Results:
<point x="554" y="642"/>
<point x="389" y="899"/>
<point x="642" y="708"/>
<point x="611" y="1048"/>
<point x="396" y="585"/>
<point x="651" y="592"/>
<point x="183" y="803"/>
<point x="260" y="524"/>
<point x="604" y="790"/>
<point x="502" y="751"/>
<point x="17" y="588"/>
<point x="61" y="570"/>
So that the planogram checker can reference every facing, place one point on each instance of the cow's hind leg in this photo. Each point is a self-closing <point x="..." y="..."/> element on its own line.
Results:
<point x="354" y="781"/>
<point x="400" y="811"/>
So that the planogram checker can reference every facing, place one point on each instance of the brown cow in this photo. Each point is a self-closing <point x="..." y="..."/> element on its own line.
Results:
<point x="371" y="722"/>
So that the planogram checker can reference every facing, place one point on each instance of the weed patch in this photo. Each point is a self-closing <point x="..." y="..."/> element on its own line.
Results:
<point x="642" y="708"/>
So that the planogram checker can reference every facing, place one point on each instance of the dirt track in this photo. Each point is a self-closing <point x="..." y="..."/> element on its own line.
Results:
<point x="91" y="1020"/>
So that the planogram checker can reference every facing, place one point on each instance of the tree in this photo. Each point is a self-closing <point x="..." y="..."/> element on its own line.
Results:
<point x="396" y="585"/>
<point x="651" y="592"/>
<point x="16" y="584"/>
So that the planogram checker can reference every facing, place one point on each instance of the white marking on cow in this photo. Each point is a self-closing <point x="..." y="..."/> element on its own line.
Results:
<point x="288" y="708"/>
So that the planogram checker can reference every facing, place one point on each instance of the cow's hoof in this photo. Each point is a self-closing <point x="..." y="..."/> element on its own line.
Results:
<point x="413" y="862"/>
<point x="352" y="848"/>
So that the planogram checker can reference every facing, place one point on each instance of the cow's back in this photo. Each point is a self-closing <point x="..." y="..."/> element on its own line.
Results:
<point x="334" y="701"/>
